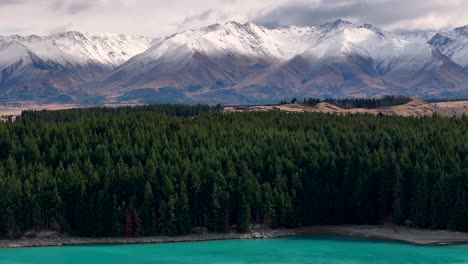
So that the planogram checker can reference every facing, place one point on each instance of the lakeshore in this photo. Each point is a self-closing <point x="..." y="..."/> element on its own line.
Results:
<point x="389" y="233"/>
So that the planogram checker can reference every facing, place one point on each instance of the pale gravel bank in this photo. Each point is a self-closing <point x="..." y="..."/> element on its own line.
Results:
<point x="394" y="233"/>
<point x="402" y="234"/>
<point x="54" y="240"/>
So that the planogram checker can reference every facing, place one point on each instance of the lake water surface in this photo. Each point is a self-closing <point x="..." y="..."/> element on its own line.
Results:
<point x="285" y="251"/>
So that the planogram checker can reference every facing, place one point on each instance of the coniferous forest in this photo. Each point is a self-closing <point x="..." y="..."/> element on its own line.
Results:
<point x="140" y="171"/>
<point x="369" y="103"/>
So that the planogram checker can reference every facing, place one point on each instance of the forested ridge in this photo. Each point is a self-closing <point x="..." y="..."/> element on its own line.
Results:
<point x="369" y="103"/>
<point x="140" y="171"/>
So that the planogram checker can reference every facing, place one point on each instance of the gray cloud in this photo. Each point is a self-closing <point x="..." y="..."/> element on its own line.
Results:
<point x="198" y="17"/>
<point x="13" y="31"/>
<point x="10" y="2"/>
<point x="382" y="13"/>
<point x="64" y="6"/>
<point x="62" y="28"/>
<point x="73" y="7"/>
<point x="7" y="2"/>
<point x="161" y="17"/>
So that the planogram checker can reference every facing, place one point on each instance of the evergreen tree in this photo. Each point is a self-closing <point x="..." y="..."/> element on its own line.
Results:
<point x="243" y="222"/>
<point x="216" y="215"/>
<point x="117" y="216"/>
<point x="147" y="210"/>
<point x="269" y="214"/>
<point x="84" y="171"/>
<point x="184" y="225"/>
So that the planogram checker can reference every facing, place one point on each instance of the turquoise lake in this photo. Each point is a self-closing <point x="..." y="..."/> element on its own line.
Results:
<point x="284" y="251"/>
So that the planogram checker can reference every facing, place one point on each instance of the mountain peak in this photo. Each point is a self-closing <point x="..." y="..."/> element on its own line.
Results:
<point x="72" y="48"/>
<point x="462" y="30"/>
<point x="236" y="24"/>
<point x="338" y="24"/>
<point x="70" y="35"/>
<point x="233" y="23"/>
<point x="238" y="55"/>
<point x="341" y="22"/>
<point x="16" y="37"/>
<point x="371" y="27"/>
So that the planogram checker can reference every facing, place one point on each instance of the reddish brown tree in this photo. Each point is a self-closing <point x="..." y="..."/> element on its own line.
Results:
<point x="128" y="231"/>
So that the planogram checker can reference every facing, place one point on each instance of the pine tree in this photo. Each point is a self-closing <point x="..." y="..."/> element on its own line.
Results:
<point x="147" y="210"/>
<point x="117" y="217"/>
<point x="459" y="214"/>
<point x="420" y="209"/>
<point x="398" y="193"/>
<point x="81" y="171"/>
<point x="216" y="216"/>
<point x="269" y="214"/>
<point x="184" y="225"/>
<point x="11" y="226"/>
<point x="82" y="215"/>
<point x="243" y="221"/>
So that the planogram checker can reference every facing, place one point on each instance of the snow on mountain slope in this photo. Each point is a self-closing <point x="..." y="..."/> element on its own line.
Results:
<point x="235" y="60"/>
<point x="246" y="39"/>
<point x="35" y="65"/>
<point x="235" y="63"/>
<point x="419" y="37"/>
<point x="12" y="53"/>
<point x="453" y="44"/>
<point x="363" y="61"/>
<point x="383" y="50"/>
<point x="231" y="50"/>
<point x="77" y="48"/>
<point x="218" y="55"/>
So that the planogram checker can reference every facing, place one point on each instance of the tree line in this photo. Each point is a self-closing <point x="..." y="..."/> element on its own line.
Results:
<point x="163" y="170"/>
<point x="349" y="103"/>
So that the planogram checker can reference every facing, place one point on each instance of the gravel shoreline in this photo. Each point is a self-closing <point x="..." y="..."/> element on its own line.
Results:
<point x="422" y="237"/>
<point x="401" y="234"/>
<point x="48" y="241"/>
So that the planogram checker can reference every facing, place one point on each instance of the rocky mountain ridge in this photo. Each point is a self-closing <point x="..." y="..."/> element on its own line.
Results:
<point x="234" y="63"/>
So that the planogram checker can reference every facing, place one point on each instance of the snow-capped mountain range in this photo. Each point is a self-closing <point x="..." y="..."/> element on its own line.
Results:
<point x="235" y="63"/>
<point x="53" y="67"/>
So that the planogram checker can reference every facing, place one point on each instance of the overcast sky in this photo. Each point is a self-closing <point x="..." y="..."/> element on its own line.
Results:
<point x="165" y="17"/>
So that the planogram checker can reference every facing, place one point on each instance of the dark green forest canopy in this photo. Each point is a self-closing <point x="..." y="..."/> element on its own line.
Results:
<point x="68" y="115"/>
<point x="369" y="103"/>
<point x="167" y="169"/>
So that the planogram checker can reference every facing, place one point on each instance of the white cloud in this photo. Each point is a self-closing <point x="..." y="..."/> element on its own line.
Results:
<point x="162" y="17"/>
